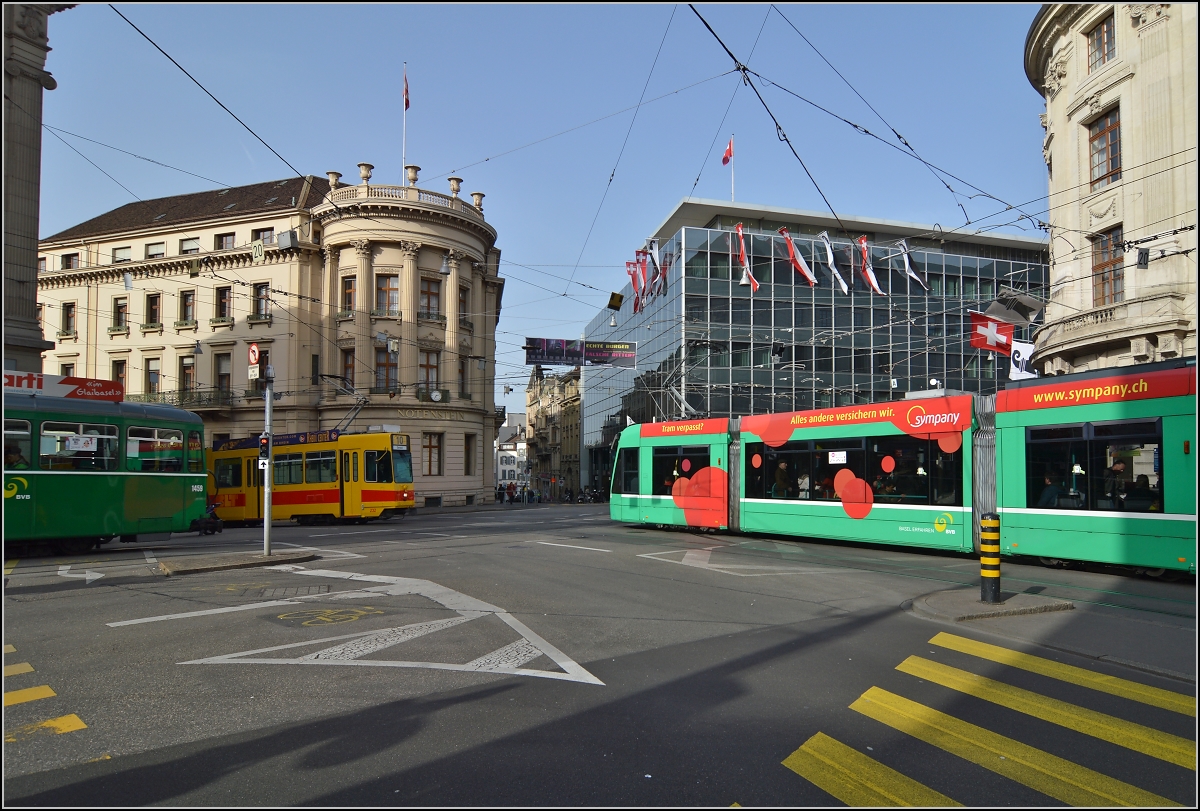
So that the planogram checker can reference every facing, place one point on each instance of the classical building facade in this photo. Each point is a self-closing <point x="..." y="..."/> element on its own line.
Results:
<point x="373" y="305"/>
<point x="25" y="77"/>
<point x="510" y="452"/>
<point x="1120" y="148"/>
<point x="553" y="410"/>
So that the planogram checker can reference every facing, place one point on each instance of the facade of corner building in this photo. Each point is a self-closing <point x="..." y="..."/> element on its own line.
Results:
<point x="510" y="452"/>
<point x="1119" y="82"/>
<point x="380" y="296"/>
<point x="707" y="346"/>
<point x="553" y="408"/>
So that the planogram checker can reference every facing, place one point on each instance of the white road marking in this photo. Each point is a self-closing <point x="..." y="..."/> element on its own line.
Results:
<point x="206" y="612"/>
<point x="366" y="645"/>
<point x="149" y="556"/>
<point x="88" y="574"/>
<point x="337" y="554"/>
<point x="361" y="532"/>
<point x="569" y="546"/>
<point x="700" y="559"/>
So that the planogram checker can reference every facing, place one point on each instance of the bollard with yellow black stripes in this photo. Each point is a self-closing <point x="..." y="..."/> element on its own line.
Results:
<point x="989" y="558"/>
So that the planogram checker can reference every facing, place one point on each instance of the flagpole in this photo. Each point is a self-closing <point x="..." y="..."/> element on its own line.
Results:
<point x="732" y="164"/>
<point x="404" y="125"/>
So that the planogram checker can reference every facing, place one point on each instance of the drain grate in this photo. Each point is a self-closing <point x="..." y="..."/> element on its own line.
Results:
<point x="288" y="591"/>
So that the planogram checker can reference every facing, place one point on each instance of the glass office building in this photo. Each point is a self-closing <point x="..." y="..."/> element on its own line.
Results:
<point x="708" y="346"/>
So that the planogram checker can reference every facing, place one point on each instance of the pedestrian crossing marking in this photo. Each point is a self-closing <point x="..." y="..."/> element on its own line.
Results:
<point x="1041" y="771"/>
<point x="9" y="565"/>
<point x="9" y="649"/>
<point x="1152" y="742"/>
<point x="67" y="723"/>
<point x="17" y="669"/>
<point x="858" y="780"/>
<point x="12" y="697"/>
<point x="1166" y="699"/>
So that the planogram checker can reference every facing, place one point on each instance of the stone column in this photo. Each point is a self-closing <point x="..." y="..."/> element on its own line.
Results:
<point x="364" y="345"/>
<point x="333" y="302"/>
<point x="451" y="355"/>
<point x="479" y="347"/>
<point x="410" y="298"/>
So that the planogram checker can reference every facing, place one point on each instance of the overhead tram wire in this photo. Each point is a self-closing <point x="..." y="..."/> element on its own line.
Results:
<point x="779" y="132"/>
<point x="878" y="115"/>
<point x="628" y="132"/>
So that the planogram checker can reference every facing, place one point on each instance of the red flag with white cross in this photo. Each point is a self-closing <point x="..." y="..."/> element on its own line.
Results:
<point x="991" y="334"/>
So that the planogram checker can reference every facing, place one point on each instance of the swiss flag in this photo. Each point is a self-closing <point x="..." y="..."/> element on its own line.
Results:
<point x="728" y="156"/>
<point x="990" y="334"/>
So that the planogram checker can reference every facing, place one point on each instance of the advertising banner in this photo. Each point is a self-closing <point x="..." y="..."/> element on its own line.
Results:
<point x="1115" y="389"/>
<point x="77" y="388"/>
<point x="685" y="427"/>
<point x="561" y="352"/>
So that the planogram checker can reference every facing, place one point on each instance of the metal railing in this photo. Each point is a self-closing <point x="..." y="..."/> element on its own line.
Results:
<point x="391" y="388"/>
<point x="186" y="398"/>
<point x="433" y="395"/>
<point x="153" y="325"/>
<point x="466" y="323"/>
<point x="407" y="193"/>
<point x="259" y="318"/>
<point x="221" y="319"/>
<point x="185" y="323"/>
<point x="119" y="329"/>
<point x="429" y="315"/>
<point x="66" y="333"/>
<point x="386" y="312"/>
<point x="345" y="315"/>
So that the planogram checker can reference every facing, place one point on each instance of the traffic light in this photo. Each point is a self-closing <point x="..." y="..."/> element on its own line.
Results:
<point x="264" y="446"/>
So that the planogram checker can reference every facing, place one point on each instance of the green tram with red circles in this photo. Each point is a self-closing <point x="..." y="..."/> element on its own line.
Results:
<point x="1096" y="466"/>
<point x="78" y="473"/>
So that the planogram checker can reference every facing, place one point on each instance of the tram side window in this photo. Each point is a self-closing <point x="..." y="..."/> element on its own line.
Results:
<point x="671" y="464"/>
<point x="1056" y="468"/>
<point x="195" y="452"/>
<point x="158" y="450"/>
<point x="377" y="466"/>
<point x="1127" y="462"/>
<point x="899" y="469"/>
<point x="829" y="458"/>
<point x="625" y="474"/>
<point x="17" y="445"/>
<point x="781" y="473"/>
<point x="289" y="468"/>
<point x="77" y="446"/>
<point x="402" y="466"/>
<point x="228" y="473"/>
<point x="320" y="466"/>
<point x="946" y="476"/>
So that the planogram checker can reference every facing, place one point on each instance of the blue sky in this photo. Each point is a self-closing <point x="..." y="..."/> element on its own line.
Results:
<point x="321" y="84"/>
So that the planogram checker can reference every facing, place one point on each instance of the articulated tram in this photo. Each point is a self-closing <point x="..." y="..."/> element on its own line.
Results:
<point x="317" y="477"/>
<point x="1097" y="466"/>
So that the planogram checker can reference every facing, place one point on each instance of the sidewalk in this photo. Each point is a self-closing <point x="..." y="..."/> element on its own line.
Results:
<point x="1160" y="644"/>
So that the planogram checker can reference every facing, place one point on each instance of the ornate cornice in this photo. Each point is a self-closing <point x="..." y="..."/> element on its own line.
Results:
<point x="174" y="266"/>
<point x="380" y="210"/>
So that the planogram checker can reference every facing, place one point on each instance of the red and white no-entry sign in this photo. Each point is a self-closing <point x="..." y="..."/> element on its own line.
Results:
<point x="253" y="354"/>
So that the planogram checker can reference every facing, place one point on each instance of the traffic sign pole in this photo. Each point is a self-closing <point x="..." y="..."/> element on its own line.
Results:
<point x="269" y="473"/>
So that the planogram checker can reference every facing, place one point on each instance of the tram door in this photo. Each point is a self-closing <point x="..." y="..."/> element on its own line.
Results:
<point x="253" y="490"/>
<point x="351" y="489"/>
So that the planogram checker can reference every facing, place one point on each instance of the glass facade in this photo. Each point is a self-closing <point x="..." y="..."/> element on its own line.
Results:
<point x="707" y="346"/>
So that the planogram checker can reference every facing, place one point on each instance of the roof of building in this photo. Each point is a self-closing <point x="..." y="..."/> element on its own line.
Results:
<point x="259" y="198"/>
<point x="697" y="213"/>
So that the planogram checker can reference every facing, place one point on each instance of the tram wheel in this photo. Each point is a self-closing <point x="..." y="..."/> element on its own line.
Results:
<point x="1053" y="563"/>
<point x="76" y="546"/>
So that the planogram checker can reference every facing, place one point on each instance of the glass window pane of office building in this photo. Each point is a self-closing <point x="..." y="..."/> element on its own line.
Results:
<point x="709" y="343"/>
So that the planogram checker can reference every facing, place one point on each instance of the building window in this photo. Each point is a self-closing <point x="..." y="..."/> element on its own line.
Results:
<point x="153" y="375"/>
<point x="385" y="369"/>
<point x="464" y="385"/>
<point x="348" y="367"/>
<point x="431" y="294"/>
<point x="1108" y="274"/>
<point x="118" y="372"/>
<point x="1104" y="138"/>
<point x="153" y="313"/>
<point x="261" y="299"/>
<point x="316" y="369"/>
<point x="122" y="255"/>
<point x="1102" y="45"/>
<point x="223" y="242"/>
<point x="223" y="370"/>
<point x="66" y="369"/>
<point x="431" y="454"/>
<point x="188" y="246"/>
<point x="429" y="369"/>
<point x="464" y="302"/>
<point x="349" y="289"/>
<point x="156" y="250"/>
<point x="70" y="261"/>
<point x="68" y="318"/>
<point x="267" y="235"/>
<point x="120" y="312"/>
<point x="387" y="294"/>
<point x="264" y="363"/>
<point x="224" y="302"/>
<point x="187" y="373"/>
<point x="187" y="305"/>
<point x="41" y="264"/>
<point x="469" y="455"/>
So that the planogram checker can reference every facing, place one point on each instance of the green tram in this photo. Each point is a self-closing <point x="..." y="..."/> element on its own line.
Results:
<point x="79" y="473"/>
<point x="1088" y="467"/>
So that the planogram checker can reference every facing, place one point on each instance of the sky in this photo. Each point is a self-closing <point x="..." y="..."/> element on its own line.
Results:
<point x="537" y="107"/>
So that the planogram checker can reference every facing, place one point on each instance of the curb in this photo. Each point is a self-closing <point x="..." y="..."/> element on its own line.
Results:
<point x="219" y="563"/>
<point x="959" y="605"/>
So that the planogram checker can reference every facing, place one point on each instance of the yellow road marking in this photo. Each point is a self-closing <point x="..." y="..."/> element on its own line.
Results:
<point x="16" y="670"/>
<point x="67" y="723"/>
<point x="856" y="779"/>
<point x="105" y="756"/>
<point x="9" y="649"/>
<point x="1041" y="771"/>
<point x="12" y="697"/>
<point x="9" y="565"/>
<point x="1167" y="699"/>
<point x="1152" y="742"/>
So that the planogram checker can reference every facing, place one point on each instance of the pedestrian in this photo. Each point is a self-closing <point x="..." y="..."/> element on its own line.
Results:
<point x="512" y="491"/>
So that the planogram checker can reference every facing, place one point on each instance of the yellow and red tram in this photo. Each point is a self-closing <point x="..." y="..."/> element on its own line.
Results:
<point x="317" y="477"/>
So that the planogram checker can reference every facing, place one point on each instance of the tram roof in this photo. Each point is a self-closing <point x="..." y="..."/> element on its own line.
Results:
<point x="1112" y="371"/>
<point x="66" y="406"/>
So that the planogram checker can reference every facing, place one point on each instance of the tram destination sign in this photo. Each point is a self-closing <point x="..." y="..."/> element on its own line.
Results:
<point x="561" y="352"/>
<point x="74" y="388"/>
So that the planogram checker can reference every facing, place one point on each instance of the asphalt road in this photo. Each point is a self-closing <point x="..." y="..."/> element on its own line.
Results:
<point x="547" y="656"/>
